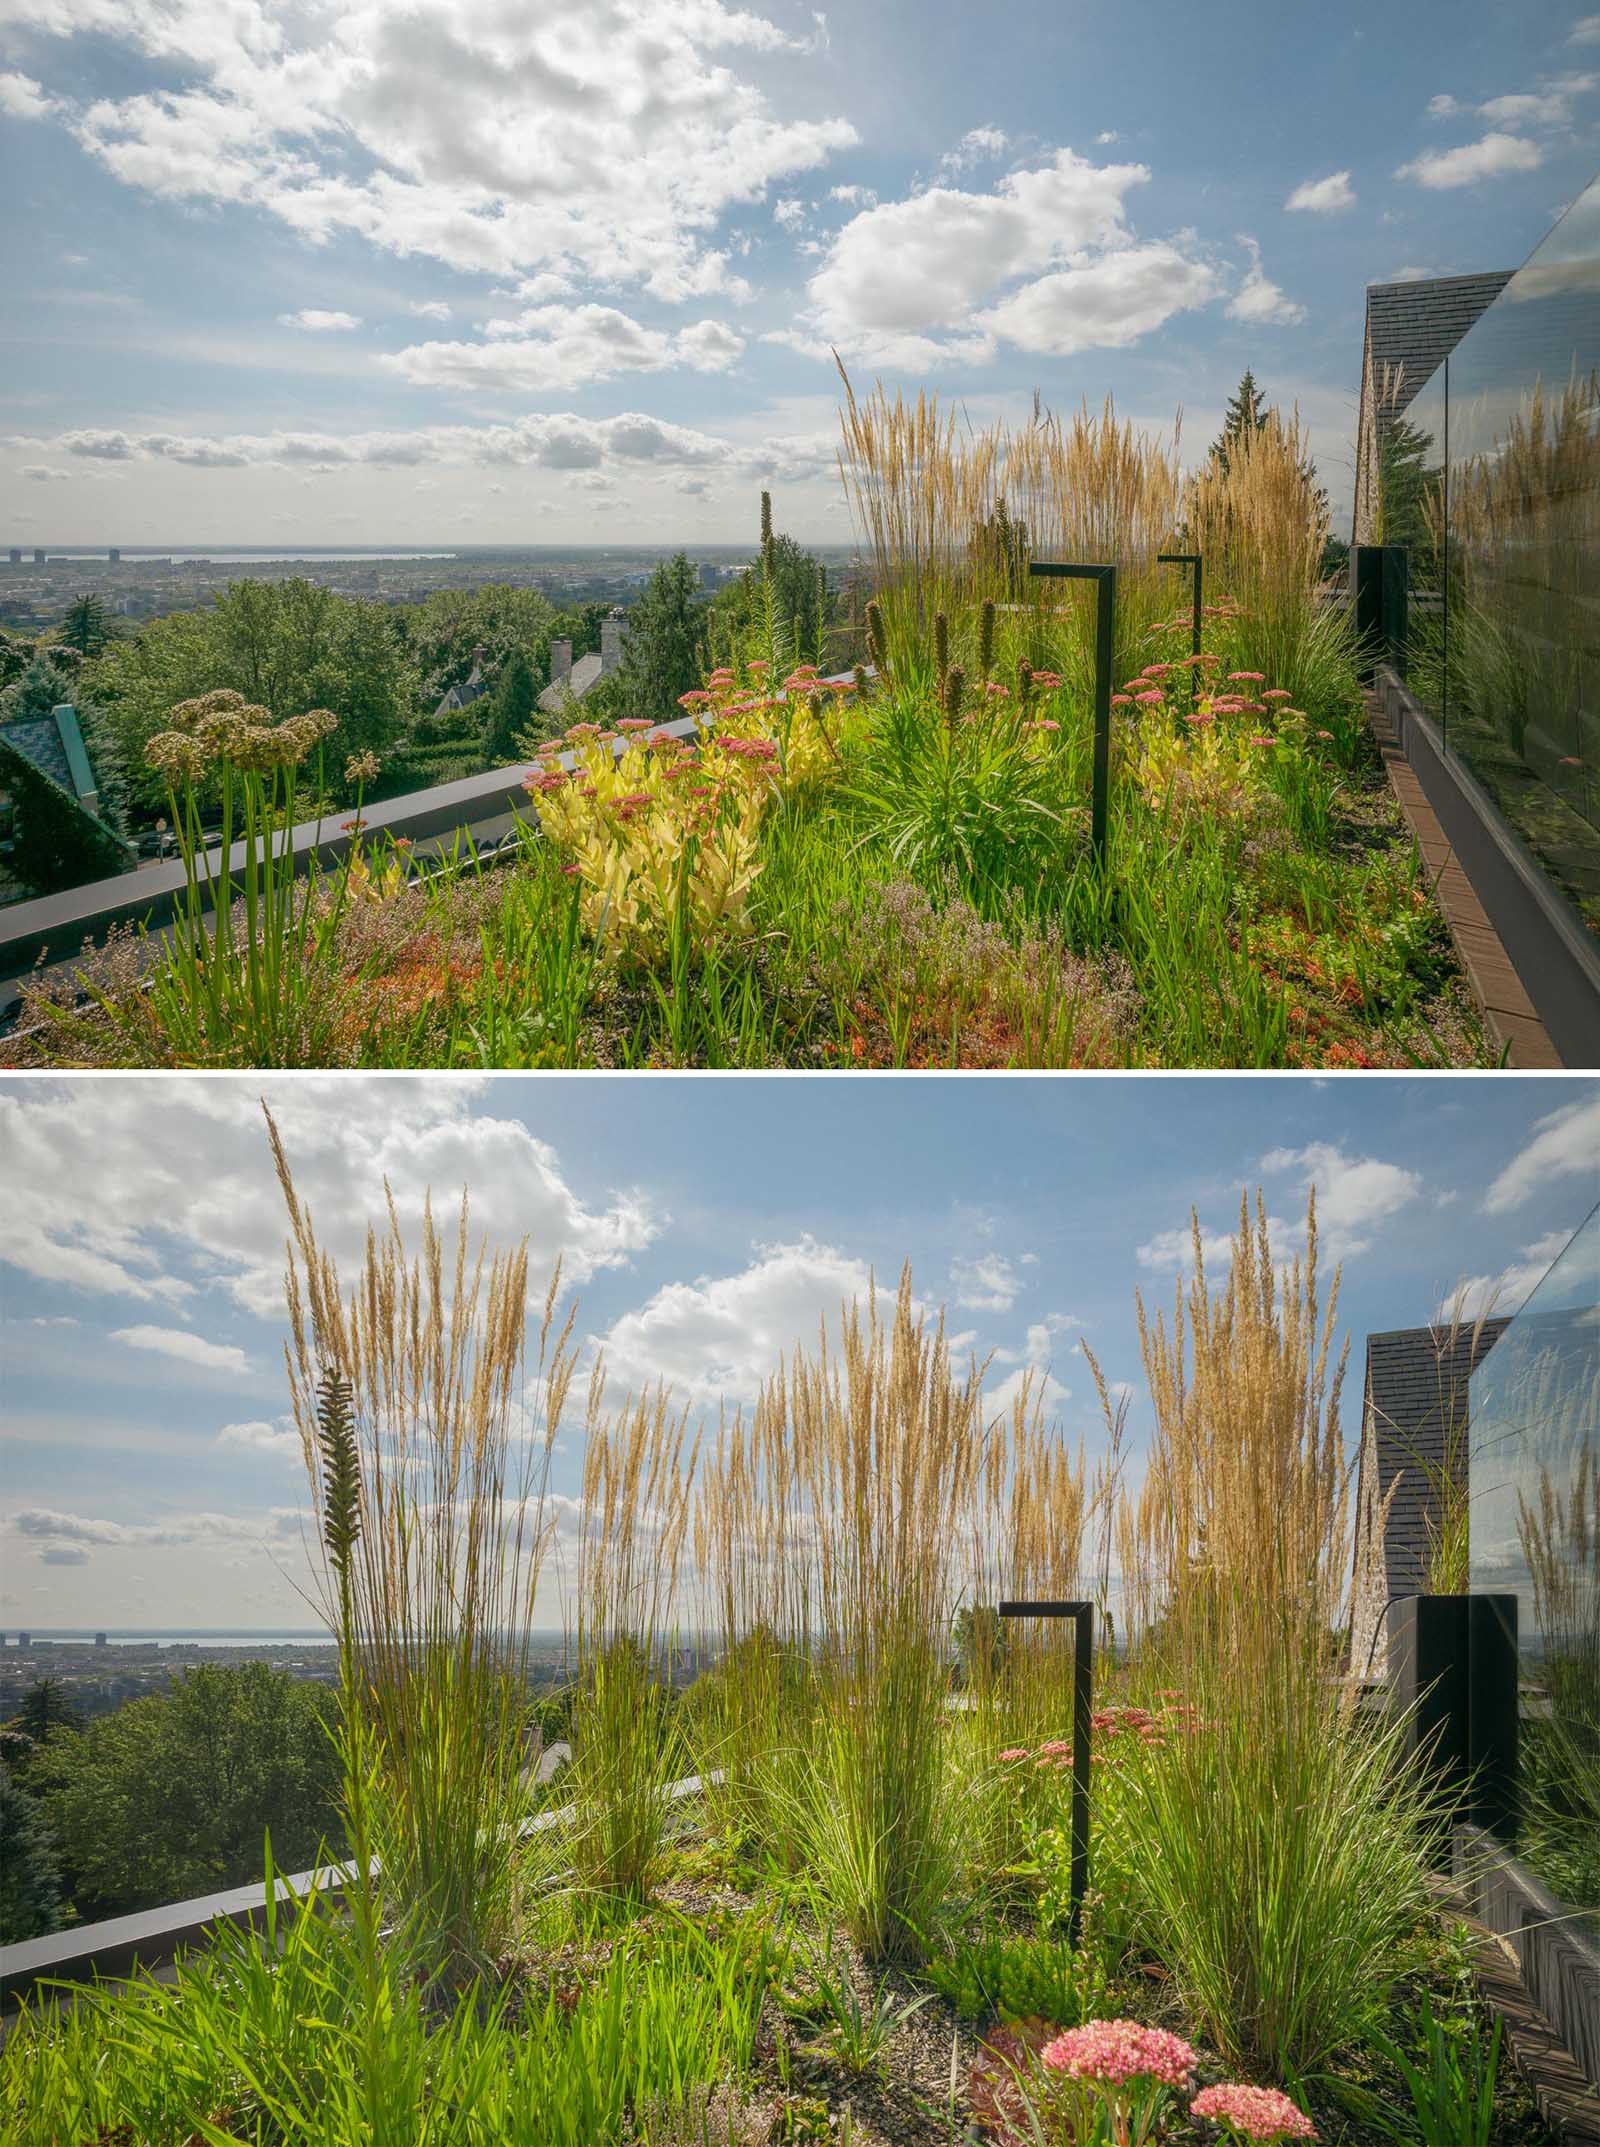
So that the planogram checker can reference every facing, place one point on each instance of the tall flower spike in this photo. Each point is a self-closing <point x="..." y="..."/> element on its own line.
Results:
<point x="941" y="646"/>
<point x="877" y="648"/>
<point x="955" y="680"/>
<point x="986" y="638"/>
<point x="341" y="1470"/>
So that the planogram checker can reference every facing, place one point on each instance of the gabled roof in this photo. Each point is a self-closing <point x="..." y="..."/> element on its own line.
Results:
<point x="574" y="686"/>
<point x="1414" y="1420"/>
<point x="1413" y="327"/>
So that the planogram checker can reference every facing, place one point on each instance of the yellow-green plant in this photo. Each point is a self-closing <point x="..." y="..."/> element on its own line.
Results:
<point x="662" y="834"/>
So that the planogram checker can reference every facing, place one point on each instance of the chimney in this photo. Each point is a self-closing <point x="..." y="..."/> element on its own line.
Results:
<point x="560" y="662"/>
<point x="612" y="629"/>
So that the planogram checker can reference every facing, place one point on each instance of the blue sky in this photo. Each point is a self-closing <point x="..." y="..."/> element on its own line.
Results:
<point x="459" y="269"/>
<point x="146" y="1474"/>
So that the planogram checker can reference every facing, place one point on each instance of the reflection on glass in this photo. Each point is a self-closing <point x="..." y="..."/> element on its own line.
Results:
<point x="1492" y="479"/>
<point x="1534" y="1415"/>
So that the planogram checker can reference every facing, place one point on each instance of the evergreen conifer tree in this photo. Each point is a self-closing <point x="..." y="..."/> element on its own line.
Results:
<point x="30" y="1883"/>
<point x="661" y="657"/>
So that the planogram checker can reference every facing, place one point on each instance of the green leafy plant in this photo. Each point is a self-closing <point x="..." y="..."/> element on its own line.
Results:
<point x="1449" y="2068"/>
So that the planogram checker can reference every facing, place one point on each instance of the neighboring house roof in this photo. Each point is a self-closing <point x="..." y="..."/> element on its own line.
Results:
<point x="54" y="746"/>
<point x="472" y="688"/>
<point x="1413" y="327"/>
<point x="574" y="686"/>
<point x="1414" y="1416"/>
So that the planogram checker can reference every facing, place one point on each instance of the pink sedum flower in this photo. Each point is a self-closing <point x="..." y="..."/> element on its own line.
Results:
<point x="1247" y="678"/>
<point x="1257" y="2114"/>
<point x="1108" y="2053"/>
<point x="1015" y="1752"/>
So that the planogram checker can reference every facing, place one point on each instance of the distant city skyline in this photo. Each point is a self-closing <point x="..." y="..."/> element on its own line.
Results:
<point x="706" y="1225"/>
<point x="587" y="269"/>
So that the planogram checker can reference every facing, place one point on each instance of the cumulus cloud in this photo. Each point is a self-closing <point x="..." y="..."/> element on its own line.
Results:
<point x="177" y="1191"/>
<point x="1565" y="1144"/>
<point x="1354" y="1193"/>
<point x="721" y="1336"/>
<point x="320" y="322"/>
<point x="41" y="473"/>
<point x="1324" y="197"/>
<point x="1548" y="107"/>
<point x="186" y="1347"/>
<point x="22" y="98"/>
<point x="554" y="440"/>
<point x="1258" y="299"/>
<point x="55" y="1530"/>
<point x="1491" y="158"/>
<point x="1490" y="1296"/>
<point x="279" y="1441"/>
<point x="429" y="309"/>
<point x="496" y="140"/>
<point x="988" y="1283"/>
<point x="557" y="346"/>
<point x="979" y="145"/>
<point x="1585" y="31"/>
<point x="1443" y="106"/>
<point x="1044" y="260"/>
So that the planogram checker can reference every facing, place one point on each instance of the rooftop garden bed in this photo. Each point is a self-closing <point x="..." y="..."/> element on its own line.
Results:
<point x="889" y="864"/>
<point x="866" y="1926"/>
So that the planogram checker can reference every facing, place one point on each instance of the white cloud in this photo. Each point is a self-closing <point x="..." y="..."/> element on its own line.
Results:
<point x="721" y="1337"/>
<point x="987" y="1284"/>
<point x="554" y="440"/>
<point x="1104" y="141"/>
<point x="48" y="1526"/>
<point x="1566" y="1144"/>
<point x="1491" y="158"/>
<point x="1549" y="107"/>
<point x="1444" y="106"/>
<point x="905" y="282"/>
<point x="41" y="473"/>
<point x="280" y="1441"/>
<point x="1324" y="197"/>
<point x="1586" y="31"/>
<point x="1411" y="275"/>
<point x="1172" y="1251"/>
<point x="178" y="1182"/>
<point x="1258" y="299"/>
<point x="979" y="145"/>
<point x="1487" y="1296"/>
<point x="186" y="1347"/>
<point x="855" y="197"/>
<point x="1354" y="1193"/>
<point x="789" y="214"/>
<point x="561" y="346"/>
<point x="1045" y="1392"/>
<point x="320" y="322"/>
<point x="22" y="98"/>
<point x="429" y="309"/>
<point x="496" y="140"/>
<point x="1105" y="304"/>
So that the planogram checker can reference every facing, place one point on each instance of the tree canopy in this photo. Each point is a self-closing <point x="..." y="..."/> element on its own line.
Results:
<point x="663" y="652"/>
<point x="171" y="1795"/>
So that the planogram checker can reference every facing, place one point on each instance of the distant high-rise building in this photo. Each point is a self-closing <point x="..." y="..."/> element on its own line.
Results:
<point x="16" y="555"/>
<point x="24" y="1640"/>
<point x="114" y="557"/>
<point x="39" y="555"/>
<point x="99" y="1640"/>
<point x="708" y="575"/>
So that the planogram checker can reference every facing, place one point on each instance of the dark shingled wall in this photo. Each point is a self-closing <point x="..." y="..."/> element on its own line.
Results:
<point x="1416" y="325"/>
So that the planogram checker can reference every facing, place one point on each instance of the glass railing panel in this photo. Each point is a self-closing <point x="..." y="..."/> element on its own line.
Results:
<point x="1534" y="1414"/>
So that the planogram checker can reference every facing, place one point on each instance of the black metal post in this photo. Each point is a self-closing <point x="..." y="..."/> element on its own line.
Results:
<point x="1189" y="559"/>
<point x="1105" y="634"/>
<point x="1082" y="1615"/>
<point x="1379" y="585"/>
<point x="1493" y="1665"/>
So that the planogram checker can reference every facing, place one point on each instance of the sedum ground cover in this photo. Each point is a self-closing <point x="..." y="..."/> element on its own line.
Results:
<point x="895" y="873"/>
<point x="860" y="1927"/>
